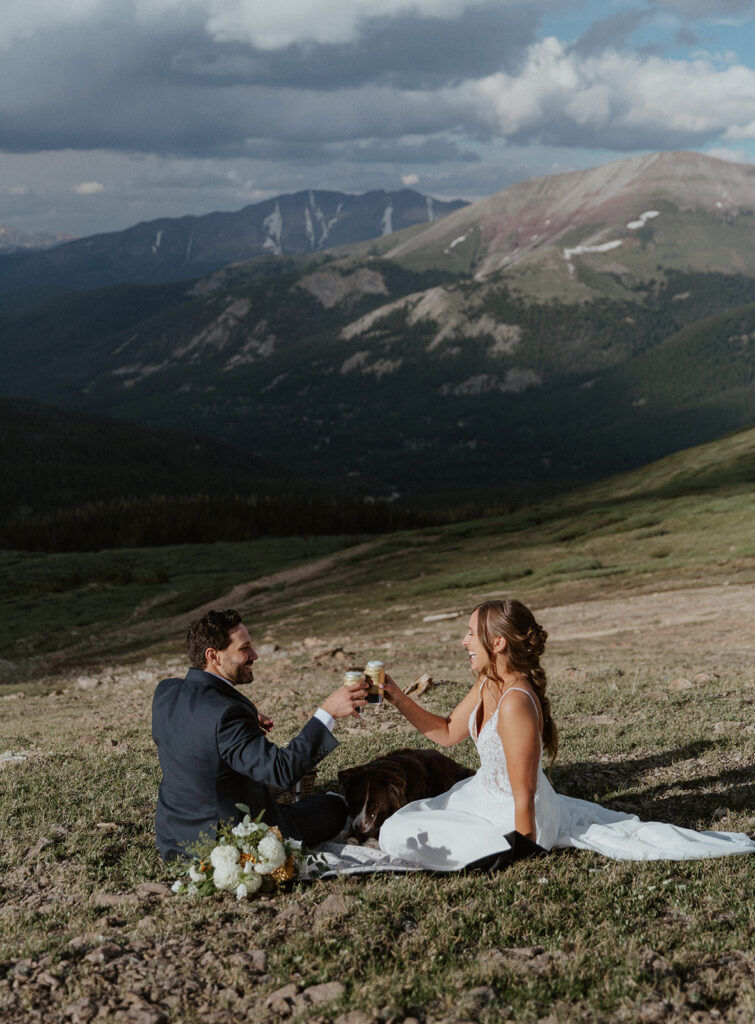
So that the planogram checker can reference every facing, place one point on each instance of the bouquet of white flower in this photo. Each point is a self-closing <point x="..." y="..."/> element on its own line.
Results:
<point x="244" y="859"/>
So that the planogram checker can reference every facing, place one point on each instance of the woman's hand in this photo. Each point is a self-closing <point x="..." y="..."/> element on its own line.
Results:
<point x="390" y="690"/>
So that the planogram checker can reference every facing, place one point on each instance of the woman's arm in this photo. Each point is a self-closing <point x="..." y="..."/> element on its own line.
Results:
<point x="519" y="729"/>
<point x="443" y="731"/>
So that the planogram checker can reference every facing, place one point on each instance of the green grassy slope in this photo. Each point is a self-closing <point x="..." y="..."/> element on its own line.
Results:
<point x="687" y="517"/>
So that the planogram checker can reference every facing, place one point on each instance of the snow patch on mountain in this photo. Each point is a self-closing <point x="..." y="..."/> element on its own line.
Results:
<point x="387" y="221"/>
<point x="272" y="225"/>
<point x="580" y="250"/>
<point x="635" y="225"/>
<point x="156" y="243"/>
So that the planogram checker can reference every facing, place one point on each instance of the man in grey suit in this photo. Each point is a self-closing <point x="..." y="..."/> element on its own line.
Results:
<point x="214" y="752"/>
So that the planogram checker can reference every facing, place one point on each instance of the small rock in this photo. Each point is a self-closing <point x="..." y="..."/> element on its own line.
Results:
<point x="150" y="890"/>
<point x="704" y="677"/>
<point x="420" y="685"/>
<point x="81" y="1011"/>
<point x="655" y="964"/>
<point x="324" y="993"/>
<point x="282" y="1000"/>
<point x="86" y="683"/>
<point x="143" y="1013"/>
<point x="331" y="908"/>
<point x="356" y="1017"/>
<point x="475" y="999"/>
<point x="680" y="683"/>
<point x="656" y="695"/>
<point x="291" y="915"/>
<point x="115" y="899"/>
<point x="102" y="954"/>
<point x="40" y="845"/>
<point x="254" y="960"/>
<point x="719" y="813"/>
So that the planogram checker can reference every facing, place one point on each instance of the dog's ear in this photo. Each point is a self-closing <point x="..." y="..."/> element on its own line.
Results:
<point x="396" y="784"/>
<point x="346" y="773"/>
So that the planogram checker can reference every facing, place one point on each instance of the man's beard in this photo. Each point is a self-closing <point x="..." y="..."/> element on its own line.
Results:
<point x="241" y="675"/>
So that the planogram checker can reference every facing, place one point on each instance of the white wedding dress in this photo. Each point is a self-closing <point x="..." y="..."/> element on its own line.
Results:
<point x="447" y="832"/>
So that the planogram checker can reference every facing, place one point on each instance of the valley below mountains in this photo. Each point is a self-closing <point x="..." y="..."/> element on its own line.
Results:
<point x="560" y="331"/>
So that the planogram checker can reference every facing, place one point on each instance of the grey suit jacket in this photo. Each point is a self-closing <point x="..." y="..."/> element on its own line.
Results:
<point x="214" y="755"/>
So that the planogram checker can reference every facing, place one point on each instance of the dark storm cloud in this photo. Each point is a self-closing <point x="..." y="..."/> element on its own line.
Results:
<point x="406" y="51"/>
<point x="168" y="88"/>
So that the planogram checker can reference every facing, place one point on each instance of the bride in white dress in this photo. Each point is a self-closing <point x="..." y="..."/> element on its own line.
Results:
<point x="507" y="714"/>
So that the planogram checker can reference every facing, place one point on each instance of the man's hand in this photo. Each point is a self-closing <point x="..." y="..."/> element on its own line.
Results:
<point x="265" y="723"/>
<point x="346" y="700"/>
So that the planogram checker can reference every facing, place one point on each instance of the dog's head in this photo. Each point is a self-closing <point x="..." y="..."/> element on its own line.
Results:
<point x="373" y="793"/>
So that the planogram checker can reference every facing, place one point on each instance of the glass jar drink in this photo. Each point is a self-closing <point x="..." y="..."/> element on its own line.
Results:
<point x="374" y="674"/>
<point x="354" y="675"/>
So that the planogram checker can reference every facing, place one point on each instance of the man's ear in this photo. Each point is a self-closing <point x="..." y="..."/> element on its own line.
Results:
<point x="210" y="655"/>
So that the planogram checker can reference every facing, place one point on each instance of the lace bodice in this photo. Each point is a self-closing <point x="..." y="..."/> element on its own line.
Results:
<point x="493" y="772"/>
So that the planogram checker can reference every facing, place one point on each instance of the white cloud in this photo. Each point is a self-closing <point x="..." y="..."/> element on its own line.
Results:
<point x="614" y="91"/>
<point x="88" y="188"/>
<point x="734" y="156"/>
<point x="410" y="179"/>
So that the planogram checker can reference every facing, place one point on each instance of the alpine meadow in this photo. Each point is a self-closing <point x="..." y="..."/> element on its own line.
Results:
<point x="353" y="435"/>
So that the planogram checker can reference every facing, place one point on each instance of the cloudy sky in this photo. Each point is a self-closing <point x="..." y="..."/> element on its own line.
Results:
<point x="116" y="111"/>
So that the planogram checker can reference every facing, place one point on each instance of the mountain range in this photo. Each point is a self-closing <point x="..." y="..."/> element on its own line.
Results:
<point x="183" y="248"/>
<point x="566" y="328"/>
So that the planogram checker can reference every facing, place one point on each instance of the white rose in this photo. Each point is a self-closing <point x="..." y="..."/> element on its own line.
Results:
<point x="227" y="877"/>
<point x="226" y="867"/>
<point x="273" y="855"/>
<point x="196" y="876"/>
<point x="177" y="886"/>
<point x="224" y="856"/>
<point x="244" y="828"/>
<point x="241" y="892"/>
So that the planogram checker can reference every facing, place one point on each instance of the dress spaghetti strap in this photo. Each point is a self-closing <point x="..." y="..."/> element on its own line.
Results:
<point x="521" y="689"/>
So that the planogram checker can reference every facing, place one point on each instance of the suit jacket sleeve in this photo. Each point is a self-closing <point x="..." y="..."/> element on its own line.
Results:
<point x="245" y="749"/>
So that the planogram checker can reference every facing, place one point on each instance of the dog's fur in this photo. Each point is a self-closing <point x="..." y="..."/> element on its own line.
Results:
<point x="374" y="791"/>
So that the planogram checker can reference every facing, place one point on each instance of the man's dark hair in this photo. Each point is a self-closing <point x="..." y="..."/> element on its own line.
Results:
<point x="212" y="630"/>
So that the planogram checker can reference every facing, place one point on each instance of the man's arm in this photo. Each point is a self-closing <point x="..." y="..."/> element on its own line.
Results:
<point x="245" y="749"/>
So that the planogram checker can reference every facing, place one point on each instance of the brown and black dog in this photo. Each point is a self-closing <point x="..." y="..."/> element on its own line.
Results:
<point x="374" y="791"/>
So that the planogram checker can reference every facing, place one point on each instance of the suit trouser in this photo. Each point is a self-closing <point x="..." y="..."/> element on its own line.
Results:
<point x="315" y="819"/>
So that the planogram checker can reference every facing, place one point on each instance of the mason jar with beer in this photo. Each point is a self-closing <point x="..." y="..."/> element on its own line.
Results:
<point x="374" y="674"/>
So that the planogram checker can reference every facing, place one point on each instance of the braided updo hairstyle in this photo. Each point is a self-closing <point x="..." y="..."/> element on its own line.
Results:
<point x="525" y="639"/>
